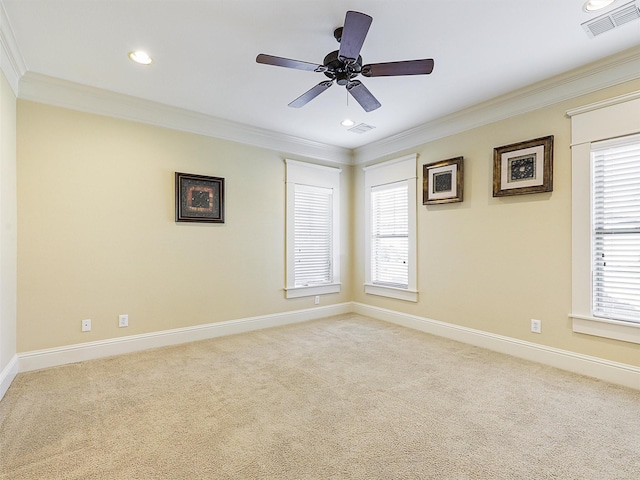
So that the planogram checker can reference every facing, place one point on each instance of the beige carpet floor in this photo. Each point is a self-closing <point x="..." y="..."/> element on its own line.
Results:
<point x="341" y="398"/>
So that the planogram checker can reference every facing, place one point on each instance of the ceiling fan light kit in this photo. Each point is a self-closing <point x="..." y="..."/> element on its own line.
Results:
<point x="344" y="65"/>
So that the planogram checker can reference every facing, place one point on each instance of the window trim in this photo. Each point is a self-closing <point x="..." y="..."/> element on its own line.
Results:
<point x="311" y="174"/>
<point x="392" y="171"/>
<point x="605" y="120"/>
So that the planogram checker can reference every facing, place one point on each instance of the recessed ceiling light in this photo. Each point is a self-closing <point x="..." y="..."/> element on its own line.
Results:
<point x="347" y="122"/>
<point x="593" y="5"/>
<point x="140" y="57"/>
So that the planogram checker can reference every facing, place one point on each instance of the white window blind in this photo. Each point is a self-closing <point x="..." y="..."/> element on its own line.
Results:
<point x="390" y="235"/>
<point x="616" y="229"/>
<point x="313" y="234"/>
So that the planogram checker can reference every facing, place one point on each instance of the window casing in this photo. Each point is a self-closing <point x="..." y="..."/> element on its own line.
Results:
<point x="313" y="229"/>
<point x="592" y="125"/>
<point x="390" y="223"/>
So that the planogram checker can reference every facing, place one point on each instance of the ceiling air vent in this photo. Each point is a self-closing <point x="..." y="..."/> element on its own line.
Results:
<point x="361" y="128"/>
<point x="611" y="20"/>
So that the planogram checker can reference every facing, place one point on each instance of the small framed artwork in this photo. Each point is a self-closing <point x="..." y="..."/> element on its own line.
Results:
<point x="525" y="167"/>
<point x="442" y="182"/>
<point x="199" y="198"/>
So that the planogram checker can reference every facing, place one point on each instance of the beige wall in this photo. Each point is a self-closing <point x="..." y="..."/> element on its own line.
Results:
<point x="493" y="264"/>
<point x="8" y="223"/>
<point x="97" y="236"/>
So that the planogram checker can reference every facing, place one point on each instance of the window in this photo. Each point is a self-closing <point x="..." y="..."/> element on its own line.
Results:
<point x="313" y="245"/>
<point x="390" y="245"/>
<point x="390" y="235"/>
<point x="605" y="216"/>
<point x="313" y="226"/>
<point x="616" y="229"/>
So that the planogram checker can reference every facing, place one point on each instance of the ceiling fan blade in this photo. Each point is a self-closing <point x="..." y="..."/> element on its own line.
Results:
<point x="408" y="67"/>
<point x="288" y="63"/>
<point x="309" y="95"/>
<point x="356" y="26"/>
<point x="363" y="96"/>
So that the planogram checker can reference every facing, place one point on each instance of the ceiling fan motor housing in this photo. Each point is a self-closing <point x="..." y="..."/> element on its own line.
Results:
<point x="343" y="72"/>
<point x="344" y="65"/>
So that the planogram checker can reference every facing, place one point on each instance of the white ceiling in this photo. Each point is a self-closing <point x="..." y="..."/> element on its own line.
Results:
<point x="205" y="50"/>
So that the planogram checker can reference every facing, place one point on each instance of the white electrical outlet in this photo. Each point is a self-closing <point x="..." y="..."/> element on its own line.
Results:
<point x="123" y="320"/>
<point x="86" y="325"/>
<point x="317" y="300"/>
<point x="536" y="326"/>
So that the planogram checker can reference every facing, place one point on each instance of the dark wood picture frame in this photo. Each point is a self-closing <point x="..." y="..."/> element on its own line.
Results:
<point x="443" y="182"/>
<point x="199" y="198"/>
<point x="524" y="167"/>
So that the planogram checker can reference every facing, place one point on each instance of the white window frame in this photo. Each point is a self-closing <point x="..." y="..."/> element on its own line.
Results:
<point x="393" y="171"/>
<point x="617" y="117"/>
<point x="313" y="175"/>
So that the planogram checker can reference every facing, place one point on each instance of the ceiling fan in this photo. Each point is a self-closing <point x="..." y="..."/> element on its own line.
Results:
<point x="344" y="65"/>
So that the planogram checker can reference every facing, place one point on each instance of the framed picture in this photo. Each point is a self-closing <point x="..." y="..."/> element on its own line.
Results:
<point x="442" y="182"/>
<point x="525" y="167"/>
<point x="199" y="198"/>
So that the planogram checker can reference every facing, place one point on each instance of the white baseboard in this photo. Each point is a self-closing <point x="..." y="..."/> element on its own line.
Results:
<point x="52" y="357"/>
<point x="612" y="372"/>
<point x="7" y="375"/>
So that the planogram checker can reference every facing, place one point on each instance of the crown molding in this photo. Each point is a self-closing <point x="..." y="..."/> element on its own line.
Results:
<point x="54" y="91"/>
<point x="11" y="61"/>
<point x="596" y="76"/>
<point x="611" y="71"/>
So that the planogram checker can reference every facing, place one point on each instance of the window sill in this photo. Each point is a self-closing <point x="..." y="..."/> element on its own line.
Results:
<point x="296" y="292"/>
<point x="602" y="327"/>
<point x="397" y="293"/>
